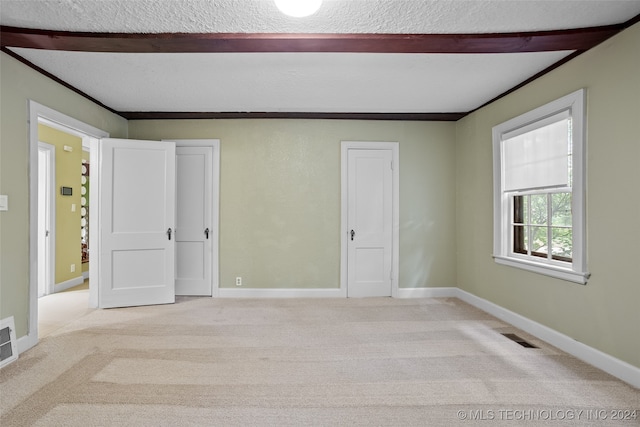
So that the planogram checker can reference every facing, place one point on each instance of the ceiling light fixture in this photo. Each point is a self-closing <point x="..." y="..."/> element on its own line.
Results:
<point x="298" y="8"/>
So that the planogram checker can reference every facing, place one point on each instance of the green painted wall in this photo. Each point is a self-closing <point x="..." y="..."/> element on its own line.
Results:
<point x="280" y="197"/>
<point x="67" y="234"/>
<point x="18" y="84"/>
<point x="603" y="314"/>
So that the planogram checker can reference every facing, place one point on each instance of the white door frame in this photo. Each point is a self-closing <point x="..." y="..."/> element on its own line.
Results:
<point x="344" y="210"/>
<point x="215" y="205"/>
<point x="50" y="217"/>
<point x="43" y="114"/>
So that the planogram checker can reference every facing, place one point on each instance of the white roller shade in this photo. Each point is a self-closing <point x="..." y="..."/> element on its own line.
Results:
<point x="539" y="157"/>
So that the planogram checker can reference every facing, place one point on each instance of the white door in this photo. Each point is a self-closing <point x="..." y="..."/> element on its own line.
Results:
<point x="136" y="223"/>
<point x="46" y="202"/>
<point x="194" y="220"/>
<point x="370" y="222"/>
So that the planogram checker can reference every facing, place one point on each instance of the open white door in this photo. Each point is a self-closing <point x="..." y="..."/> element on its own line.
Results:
<point x="137" y="223"/>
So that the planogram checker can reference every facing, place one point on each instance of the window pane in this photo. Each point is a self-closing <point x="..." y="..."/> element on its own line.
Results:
<point x="562" y="243"/>
<point x="539" y="240"/>
<point x="520" y="241"/>
<point x="539" y="209"/>
<point x="561" y="209"/>
<point x="519" y="208"/>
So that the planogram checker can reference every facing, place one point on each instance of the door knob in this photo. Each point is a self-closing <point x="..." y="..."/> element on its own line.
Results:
<point x="353" y="233"/>
<point x="206" y="232"/>
<point x="169" y="233"/>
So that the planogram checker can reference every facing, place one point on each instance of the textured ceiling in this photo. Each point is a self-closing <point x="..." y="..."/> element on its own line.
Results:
<point x="301" y="82"/>
<point x="335" y="16"/>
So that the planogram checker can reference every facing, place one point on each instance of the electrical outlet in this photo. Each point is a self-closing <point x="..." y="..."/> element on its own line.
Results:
<point x="238" y="281"/>
<point x="73" y="268"/>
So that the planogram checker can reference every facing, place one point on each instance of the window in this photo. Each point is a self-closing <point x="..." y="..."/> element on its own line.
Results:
<point x="542" y="225"/>
<point x="539" y="190"/>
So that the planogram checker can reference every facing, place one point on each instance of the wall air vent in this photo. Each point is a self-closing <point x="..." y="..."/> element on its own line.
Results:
<point x="521" y="341"/>
<point x="8" y="348"/>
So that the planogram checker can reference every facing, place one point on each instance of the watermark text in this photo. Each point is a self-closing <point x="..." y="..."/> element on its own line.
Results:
<point x="549" y="414"/>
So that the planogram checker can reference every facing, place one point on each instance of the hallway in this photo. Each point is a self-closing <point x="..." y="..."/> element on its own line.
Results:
<point x="59" y="309"/>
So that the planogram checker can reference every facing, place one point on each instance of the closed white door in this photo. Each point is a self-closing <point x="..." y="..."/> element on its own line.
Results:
<point x="194" y="223"/>
<point x="370" y="222"/>
<point x="136" y="223"/>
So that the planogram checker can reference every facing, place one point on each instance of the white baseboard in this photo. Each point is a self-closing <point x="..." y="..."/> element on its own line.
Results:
<point x="280" y="293"/>
<point x="616" y="367"/>
<point x="85" y="275"/>
<point x="329" y="293"/>
<point x="63" y="286"/>
<point x="426" y="292"/>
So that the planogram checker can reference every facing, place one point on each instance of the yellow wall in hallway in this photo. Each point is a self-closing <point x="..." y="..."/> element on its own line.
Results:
<point x="67" y="221"/>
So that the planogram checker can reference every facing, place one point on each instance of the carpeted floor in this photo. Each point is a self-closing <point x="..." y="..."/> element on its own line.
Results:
<point x="298" y="362"/>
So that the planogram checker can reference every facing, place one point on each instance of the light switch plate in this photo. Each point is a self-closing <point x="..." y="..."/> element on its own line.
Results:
<point x="4" y="202"/>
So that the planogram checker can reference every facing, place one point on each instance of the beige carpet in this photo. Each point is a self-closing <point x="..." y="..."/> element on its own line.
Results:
<point x="297" y="362"/>
<point x="57" y="310"/>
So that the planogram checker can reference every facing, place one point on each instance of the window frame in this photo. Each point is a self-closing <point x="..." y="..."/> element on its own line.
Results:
<point x="503" y="253"/>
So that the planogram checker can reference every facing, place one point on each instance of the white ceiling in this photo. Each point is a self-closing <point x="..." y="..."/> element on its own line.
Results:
<point x="301" y="82"/>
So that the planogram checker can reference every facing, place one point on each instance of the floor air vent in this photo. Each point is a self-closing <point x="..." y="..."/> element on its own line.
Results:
<point x="521" y="341"/>
<point x="8" y="350"/>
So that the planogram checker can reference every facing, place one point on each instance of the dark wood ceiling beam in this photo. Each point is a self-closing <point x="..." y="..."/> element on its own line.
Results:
<point x="541" y="41"/>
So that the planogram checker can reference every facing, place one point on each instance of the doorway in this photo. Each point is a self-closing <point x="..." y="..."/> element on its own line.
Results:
<point x="90" y="137"/>
<point x="370" y="219"/>
<point x="40" y="114"/>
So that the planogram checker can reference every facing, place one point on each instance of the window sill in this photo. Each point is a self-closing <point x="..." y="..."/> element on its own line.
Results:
<point x="545" y="269"/>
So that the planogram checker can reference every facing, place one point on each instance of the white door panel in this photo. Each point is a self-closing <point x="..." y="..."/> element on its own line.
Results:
<point x="194" y="227"/>
<point x="370" y="222"/>
<point x="137" y="222"/>
<point x="190" y="262"/>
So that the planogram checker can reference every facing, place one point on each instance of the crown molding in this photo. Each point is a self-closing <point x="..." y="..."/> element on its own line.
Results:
<point x="180" y="115"/>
